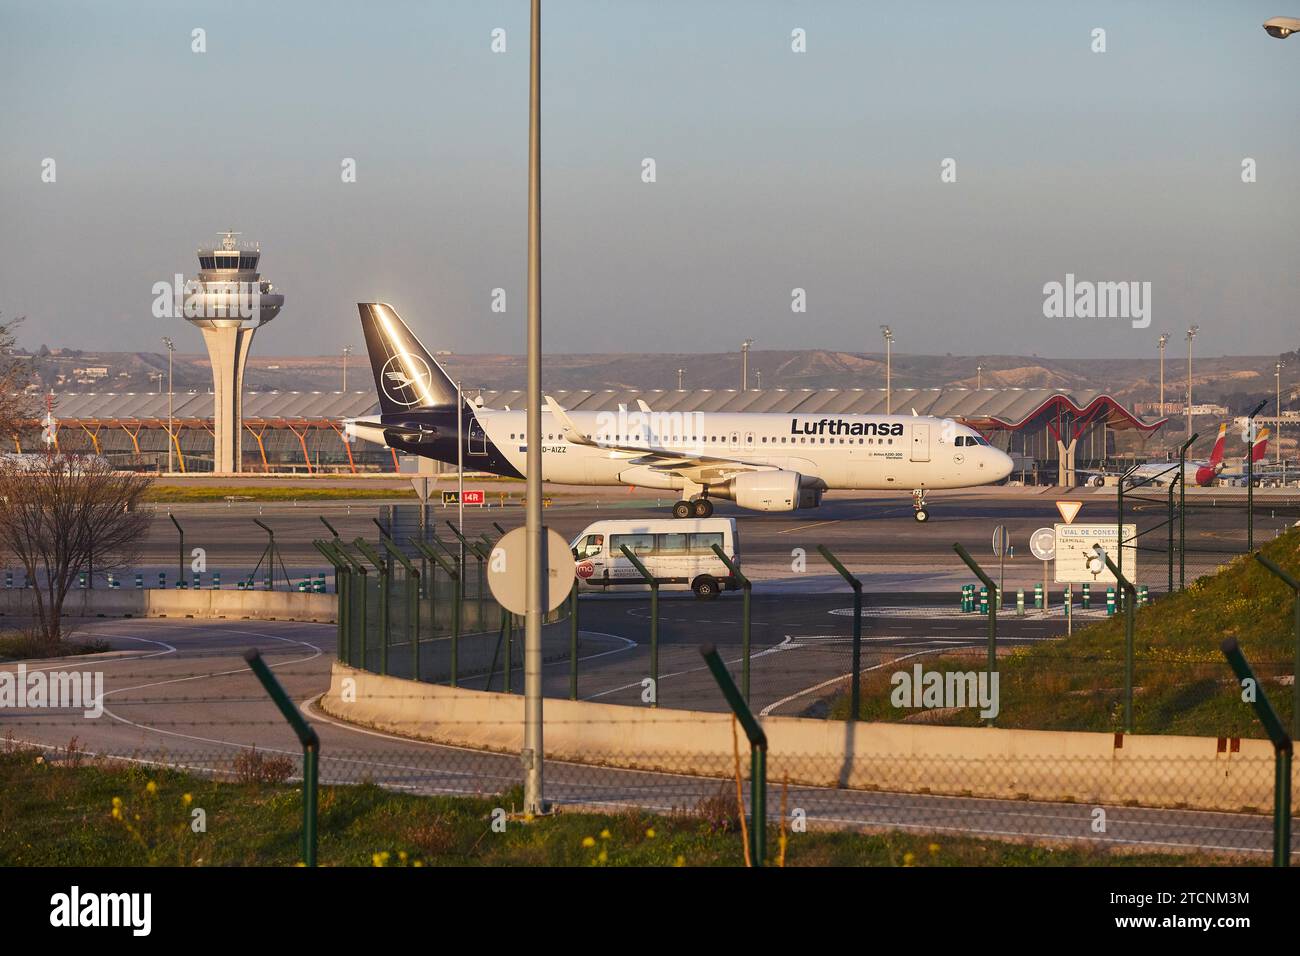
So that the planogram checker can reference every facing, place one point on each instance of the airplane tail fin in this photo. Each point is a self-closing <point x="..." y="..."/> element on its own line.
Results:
<point x="1216" y="456"/>
<point x="1260" y="448"/>
<point x="406" y="375"/>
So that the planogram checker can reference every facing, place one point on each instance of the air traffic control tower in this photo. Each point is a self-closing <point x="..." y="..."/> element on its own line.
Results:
<point x="228" y="302"/>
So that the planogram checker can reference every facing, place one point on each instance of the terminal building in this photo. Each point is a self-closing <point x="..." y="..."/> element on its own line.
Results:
<point x="1051" y="434"/>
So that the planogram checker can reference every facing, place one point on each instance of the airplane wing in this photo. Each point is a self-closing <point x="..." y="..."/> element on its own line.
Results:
<point x="697" y="467"/>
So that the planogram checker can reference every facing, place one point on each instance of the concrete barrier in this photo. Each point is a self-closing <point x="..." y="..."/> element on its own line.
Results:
<point x="156" y="602"/>
<point x="1088" y="768"/>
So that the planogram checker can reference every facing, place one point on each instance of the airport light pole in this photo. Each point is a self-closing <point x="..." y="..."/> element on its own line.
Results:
<point x="888" y="333"/>
<point x="171" y="465"/>
<point x="744" y="364"/>
<point x="1191" y="335"/>
<point x="1277" y="431"/>
<point x="532" y="752"/>
<point x="680" y="372"/>
<point x="1161" y="343"/>
<point x="347" y="350"/>
<point x="1250" y="477"/>
<point x="979" y="377"/>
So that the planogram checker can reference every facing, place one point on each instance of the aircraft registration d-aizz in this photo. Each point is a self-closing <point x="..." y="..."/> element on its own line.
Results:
<point x="761" y="461"/>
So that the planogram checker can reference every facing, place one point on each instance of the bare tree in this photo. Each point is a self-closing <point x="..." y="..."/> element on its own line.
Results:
<point x="16" y="406"/>
<point x="61" y="515"/>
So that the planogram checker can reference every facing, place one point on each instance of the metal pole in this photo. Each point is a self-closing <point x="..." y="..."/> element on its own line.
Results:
<point x="1250" y="478"/>
<point x="171" y="444"/>
<point x="1130" y="611"/>
<point x="1282" y="748"/>
<point x="1294" y="585"/>
<point x="757" y="753"/>
<point x="573" y="641"/>
<point x="855" y="679"/>
<point x="534" y="800"/>
<point x="460" y="467"/>
<point x="746" y="621"/>
<point x="310" y="750"/>
<point x="180" y="551"/>
<point x="1170" y="523"/>
<point x="1182" y="511"/>
<point x="993" y="610"/>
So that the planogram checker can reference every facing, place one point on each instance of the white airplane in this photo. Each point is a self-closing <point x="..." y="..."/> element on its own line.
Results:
<point x="761" y="461"/>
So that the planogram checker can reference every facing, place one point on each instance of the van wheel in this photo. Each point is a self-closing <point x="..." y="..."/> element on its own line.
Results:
<point x="705" y="587"/>
<point x="682" y="509"/>
<point x="702" y="508"/>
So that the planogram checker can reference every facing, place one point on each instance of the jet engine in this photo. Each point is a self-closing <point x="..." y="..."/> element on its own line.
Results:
<point x="769" y="491"/>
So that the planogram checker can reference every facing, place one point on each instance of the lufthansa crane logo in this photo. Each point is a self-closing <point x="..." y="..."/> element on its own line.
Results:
<point x="406" y="378"/>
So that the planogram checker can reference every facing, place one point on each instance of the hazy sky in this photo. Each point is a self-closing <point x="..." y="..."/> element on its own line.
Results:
<point x="775" y="170"/>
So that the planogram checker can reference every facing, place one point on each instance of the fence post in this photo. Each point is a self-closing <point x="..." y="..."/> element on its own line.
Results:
<point x="180" y="551"/>
<point x="310" y="750"/>
<point x="412" y="604"/>
<point x="1282" y="748"/>
<point x="1294" y="585"/>
<point x="1130" y="610"/>
<point x="382" y="567"/>
<point x="757" y="753"/>
<point x="651" y="580"/>
<point x="573" y="641"/>
<point x="342" y="613"/>
<point x="449" y="566"/>
<point x="992" y="611"/>
<point x="855" y="681"/>
<point x="364" y="581"/>
<point x="1250" y="477"/>
<point x="748" y="589"/>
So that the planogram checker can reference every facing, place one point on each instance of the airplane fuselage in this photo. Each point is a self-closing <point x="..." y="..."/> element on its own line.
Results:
<point x="853" y="452"/>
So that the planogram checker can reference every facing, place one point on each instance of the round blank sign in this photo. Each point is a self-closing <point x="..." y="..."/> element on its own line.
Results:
<point x="1043" y="544"/>
<point x="507" y="577"/>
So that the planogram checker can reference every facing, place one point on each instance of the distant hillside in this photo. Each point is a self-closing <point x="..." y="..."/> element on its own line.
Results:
<point x="1237" y="381"/>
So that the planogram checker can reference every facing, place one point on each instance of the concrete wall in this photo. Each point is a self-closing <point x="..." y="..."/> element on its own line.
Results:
<point x="1089" y="768"/>
<point x="156" y="602"/>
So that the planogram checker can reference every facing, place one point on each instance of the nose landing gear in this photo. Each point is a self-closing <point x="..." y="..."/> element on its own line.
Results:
<point x="918" y="505"/>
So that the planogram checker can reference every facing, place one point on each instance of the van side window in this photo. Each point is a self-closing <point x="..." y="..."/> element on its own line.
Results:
<point x="671" y="543"/>
<point x="638" y="544"/>
<point x="704" y="541"/>
<point x="591" y="546"/>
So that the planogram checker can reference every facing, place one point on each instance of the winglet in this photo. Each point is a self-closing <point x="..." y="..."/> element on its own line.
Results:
<point x="567" y="428"/>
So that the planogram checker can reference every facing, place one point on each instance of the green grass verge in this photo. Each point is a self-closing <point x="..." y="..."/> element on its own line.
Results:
<point x="180" y="494"/>
<point x="73" y="812"/>
<point x="18" y="646"/>
<point x="1182" y="684"/>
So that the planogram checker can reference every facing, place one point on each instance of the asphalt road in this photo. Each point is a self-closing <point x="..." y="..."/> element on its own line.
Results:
<point x="872" y="533"/>
<point x="179" y="693"/>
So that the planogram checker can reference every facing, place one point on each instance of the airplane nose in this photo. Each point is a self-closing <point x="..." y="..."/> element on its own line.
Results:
<point x="1004" y="465"/>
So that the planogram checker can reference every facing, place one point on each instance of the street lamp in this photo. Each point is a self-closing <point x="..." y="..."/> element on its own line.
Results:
<point x="888" y="333"/>
<point x="1281" y="27"/>
<point x="1191" y="334"/>
<point x="1164" y="340"/>
<point x="1277" y="431"/>
<point x="347" y="350"/>
<point x="744" y="364"/>
<point x="170" y="442"/>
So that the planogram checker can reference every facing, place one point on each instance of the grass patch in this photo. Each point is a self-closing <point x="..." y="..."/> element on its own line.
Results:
<point x="180" y="494"/>
<point x="23" y="645"/>
<point x="66" y="810"/>
<point x="1182" y="684"/>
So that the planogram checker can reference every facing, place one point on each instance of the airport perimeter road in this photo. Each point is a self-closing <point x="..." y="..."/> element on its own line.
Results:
<point x="801" y="646"/>
<point x="179" y="693"/>
<point x="873" y="533"/>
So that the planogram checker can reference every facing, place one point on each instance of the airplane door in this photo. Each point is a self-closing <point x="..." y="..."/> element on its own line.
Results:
<point x="477" y="438"/>
<point x="749" y="441"/>
<point x="735" y="440"/>
<point x="920" y="443"/>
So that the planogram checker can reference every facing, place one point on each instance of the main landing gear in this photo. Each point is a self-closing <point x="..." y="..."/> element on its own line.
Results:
<point x="698" y="508"/>
<point x="918" y="505"/>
